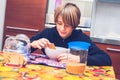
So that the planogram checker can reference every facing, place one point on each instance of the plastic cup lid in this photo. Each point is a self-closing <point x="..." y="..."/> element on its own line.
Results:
<point x="78" y="45"/>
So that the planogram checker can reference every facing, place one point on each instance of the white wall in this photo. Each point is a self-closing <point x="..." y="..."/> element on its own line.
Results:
<point x="106" y="20"/>
<point x="2" y="16"/>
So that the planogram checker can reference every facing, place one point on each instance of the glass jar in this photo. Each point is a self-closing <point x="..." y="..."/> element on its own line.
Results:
<point x="17" y="44"/>
<point x="79" y="53"/>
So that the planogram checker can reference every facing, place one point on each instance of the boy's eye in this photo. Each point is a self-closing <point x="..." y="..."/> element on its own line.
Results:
<point x="62" y="24"/>
<point x="59" y="23"/>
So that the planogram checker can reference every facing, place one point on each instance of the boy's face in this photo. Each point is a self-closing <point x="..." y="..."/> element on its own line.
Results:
<point x="63" y="29"/>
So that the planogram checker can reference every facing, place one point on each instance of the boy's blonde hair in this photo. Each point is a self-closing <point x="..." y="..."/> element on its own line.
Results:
<point x="70" y="14"/>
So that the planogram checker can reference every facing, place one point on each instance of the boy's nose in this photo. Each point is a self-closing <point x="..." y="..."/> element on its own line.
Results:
<point x="63" y="27"/>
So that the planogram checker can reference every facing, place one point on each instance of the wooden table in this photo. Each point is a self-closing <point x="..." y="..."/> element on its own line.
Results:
<point x="42" y="72"/>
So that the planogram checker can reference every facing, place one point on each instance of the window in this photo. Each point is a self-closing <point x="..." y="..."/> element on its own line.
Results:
<point x="84" y="5"/>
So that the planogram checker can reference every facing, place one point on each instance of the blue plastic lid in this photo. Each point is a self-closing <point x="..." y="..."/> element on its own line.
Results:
<point x="79" y="45"/>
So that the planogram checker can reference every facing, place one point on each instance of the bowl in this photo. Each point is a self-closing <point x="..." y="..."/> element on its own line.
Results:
<point x="53" y="53"/>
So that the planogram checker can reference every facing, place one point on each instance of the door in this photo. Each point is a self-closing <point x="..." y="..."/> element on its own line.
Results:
<point x="24" y="16"/>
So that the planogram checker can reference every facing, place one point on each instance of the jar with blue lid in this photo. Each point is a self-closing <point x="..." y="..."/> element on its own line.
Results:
<point x="79" y="54"/>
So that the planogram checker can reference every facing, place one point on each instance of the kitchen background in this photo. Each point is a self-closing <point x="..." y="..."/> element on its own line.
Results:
<point x="100" y="17"/>
<point x="84" y="5"/>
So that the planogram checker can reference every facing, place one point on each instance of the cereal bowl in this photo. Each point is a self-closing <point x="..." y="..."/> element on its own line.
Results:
<point x="53" y="53"/>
